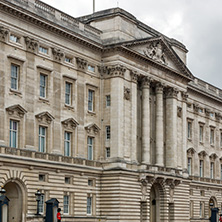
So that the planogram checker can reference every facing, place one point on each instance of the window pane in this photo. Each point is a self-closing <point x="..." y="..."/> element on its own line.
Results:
<point x="90" y="148"/>
<point x="89" y="205"/>
<point x="41" y="204"/>
<point x="42" y="86"/>
<point x="42" y="139"/>
<point x="66" y="204"/>
<point x="68" y="93"/>
<point x="14" y="76"/>
<point x="13" y="134"/>
<point x="90" y="100"/>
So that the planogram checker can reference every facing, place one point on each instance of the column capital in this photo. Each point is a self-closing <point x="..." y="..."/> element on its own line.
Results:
<point x="134" y="76"/>
<point x="171" y="92"/>
<point x="184" y="96"/>
<point x="81" y="63"/>
<point x="146" y="82"/>
<point x="31" y="44"/>
<point x="159" y="87"/>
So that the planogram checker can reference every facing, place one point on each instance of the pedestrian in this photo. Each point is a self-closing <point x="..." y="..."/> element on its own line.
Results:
<point x="59" y="215"/>
<point x="220" y="219"/>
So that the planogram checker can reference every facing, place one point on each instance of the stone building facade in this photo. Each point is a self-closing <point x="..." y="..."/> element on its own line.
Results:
<point x="101" y="113"/>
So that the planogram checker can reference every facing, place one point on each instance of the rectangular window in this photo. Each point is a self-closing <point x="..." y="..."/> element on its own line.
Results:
<point x="90" y="148"/>
<point x="212" y="170"/>
<point x="68" y="91"/>
<point x="41" y="177"/>
<point x="89" y="205"/>
<point x="211" y="136"/>
<point x="14" y="38"/>
<point x="14" y="76"/>
<point x="13" y="141"/>
<point x="67" y="59"/>
<point x="201" y="133"/>
<point x="67" y="180"/>
<point x="41" y="204"/>
<point x="107" y="152"/>
<point x="91" y="68"/>
<point x="201" y="168"/>
<point x="107" y="132"/>
<point x="42" y="139"/>
<point x="66" y="204"/>
<point x="43" y="50"/>
<point x="108" y="101"/>
<point x="67" y="138"/>
<point x="90" y="100"/>
<point x="220" y="138"/>
<point x="189" y="166"/>
<point x="43" y="82"/>
<point x="90" y="183"/>
<point x="189" y="130"/>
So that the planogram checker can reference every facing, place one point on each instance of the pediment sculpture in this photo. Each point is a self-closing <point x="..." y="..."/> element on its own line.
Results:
<point x="156" y="52"/>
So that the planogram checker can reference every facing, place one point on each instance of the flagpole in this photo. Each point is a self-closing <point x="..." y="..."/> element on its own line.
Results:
<point x="93" y="6"/>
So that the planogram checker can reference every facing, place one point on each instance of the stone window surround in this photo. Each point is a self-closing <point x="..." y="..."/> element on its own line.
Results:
<point x="94" y="89"/>
<point x="189" y="120"/>
<point x="72" y="81"/>
<point x="201" y="138"/>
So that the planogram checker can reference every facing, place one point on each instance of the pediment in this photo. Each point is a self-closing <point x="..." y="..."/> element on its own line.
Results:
<point x="202" y="154"/>
<point x="70" y="123"/>
<point x="213" y="156"/>
<point x="92" y="127"/>
<point x="16" y="109"/>
<point x="159" y="51"/>
<point x="191" y="151"/>
<point x="44" y="117"/>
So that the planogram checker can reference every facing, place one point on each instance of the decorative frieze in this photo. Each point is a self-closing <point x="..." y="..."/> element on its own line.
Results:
<point x="31" y="44"/>
<point x="57" y="54"/>
<point x="127" y="93"/>
<point x="81" y="63"/>
<point x="3" y="33"/>
<point x="156" y="52"/>
<point x="171" y="92"/>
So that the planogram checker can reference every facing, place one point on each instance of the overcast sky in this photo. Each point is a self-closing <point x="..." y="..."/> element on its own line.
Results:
<point x="195" y="23"/>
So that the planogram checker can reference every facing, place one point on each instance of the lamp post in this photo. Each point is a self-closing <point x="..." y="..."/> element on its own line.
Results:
<point x="2" y="191"/>
<point x="38" y="196"/>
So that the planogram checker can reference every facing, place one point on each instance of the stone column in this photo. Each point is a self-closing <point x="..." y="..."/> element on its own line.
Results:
<point x="159" y="125"/>
<point x="134" y="77"/>
<point x="184" y="127"/>
<point x="171" y="127"/>
<point x="146" y="120"/>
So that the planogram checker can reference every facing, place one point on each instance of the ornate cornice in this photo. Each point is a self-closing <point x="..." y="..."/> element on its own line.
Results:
<point x="57" y="54"/>
<point x="81" y="63"/>
<point x="3" y="33"/>
<point x="31" y="44"/>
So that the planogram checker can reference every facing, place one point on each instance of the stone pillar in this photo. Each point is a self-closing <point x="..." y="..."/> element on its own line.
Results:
<point x="146" y="120"/>
<point x="134" y="77"/>
<point x="171" y="127"/>
<point x="117" y="111"/>
<point x="184" y="127"/>
<point x="159" y="125"/>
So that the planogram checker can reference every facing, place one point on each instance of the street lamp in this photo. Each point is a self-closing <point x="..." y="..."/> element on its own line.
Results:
<point x="38" y="197"/>
<point x="2" y="191"/>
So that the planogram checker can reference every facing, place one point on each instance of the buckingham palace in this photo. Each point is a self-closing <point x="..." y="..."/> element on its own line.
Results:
<point x="101" y="113"/>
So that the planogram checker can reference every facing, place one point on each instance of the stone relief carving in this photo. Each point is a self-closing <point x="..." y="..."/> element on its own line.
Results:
<point x="171" y="92"/>
<point x="45" y="117"/>
<point x="155" y="51"/>
<point x="81" y="63"/>
<point x="70" y="123"/>
<point x="172" y="184"/>
<point x="31" y="44"/>
<point x="126" y="93"/>
<point x="218" y="116"/>
<point x="3" y="33"/>
<point x="115" y="70"/>
<point x="16" y="110"/>
<point x="179" y="111"/>
<point x="92" y="128"/>
<point x="58" y="54"/>
<point x="134" y="76"/>
<point x="184" y="96"/>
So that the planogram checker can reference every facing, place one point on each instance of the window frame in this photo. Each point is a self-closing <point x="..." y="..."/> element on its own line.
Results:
<point x="40" y="136"/>
<point x="66" y="204"/>
<point x="108" y="100"/>
<point x="201" y="168"/>
<point x="69" y="142"/>
<point x="15" y="78"/>
<point x="212" y="168"/>
<point x="90" y="147"/>
<point x="69" y="94"/>
<point x="201" y="133"/>
<point x="212" y="136"/>
<point x="189" y="165"/>
<point x="44" y="87"/>
<point x="41" y="204"/>
<point x="108" y="133"/>
<point x="89" y="205"/>
<point x="43" y="50"/>
<point x="91" y="95"/>
<point x="108" y="148"/>
<point x="11" y="133"/>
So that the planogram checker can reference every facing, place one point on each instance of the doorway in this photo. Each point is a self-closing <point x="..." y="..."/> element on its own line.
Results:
<point x="14" y="194"/>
